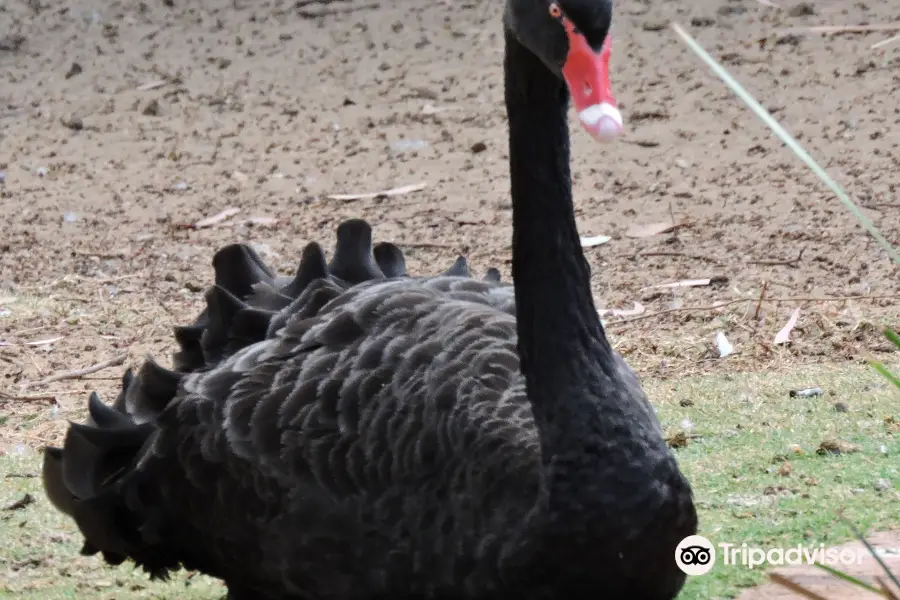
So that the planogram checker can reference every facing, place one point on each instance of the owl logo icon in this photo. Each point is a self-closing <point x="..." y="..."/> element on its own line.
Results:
<point x="695" y="555"/>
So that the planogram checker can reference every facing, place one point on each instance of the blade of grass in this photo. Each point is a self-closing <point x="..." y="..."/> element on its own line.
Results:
<point x="883" y="370"/>
<point x="786" y="137"/>
<point x="849" y="578"/>
<point x="892" y="335"/>
<point x="887" y="588"/>
<point x="795" y="587"/>
<point x="871" y="550"/>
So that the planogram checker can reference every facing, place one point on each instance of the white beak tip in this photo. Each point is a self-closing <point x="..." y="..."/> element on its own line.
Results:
<point x="603" y="121"/>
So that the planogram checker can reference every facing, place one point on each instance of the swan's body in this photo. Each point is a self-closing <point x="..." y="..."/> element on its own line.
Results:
<point x="351" y="451"/>
<point x="350" y="437"/>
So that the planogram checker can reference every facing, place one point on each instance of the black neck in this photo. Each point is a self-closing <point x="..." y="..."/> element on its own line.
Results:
<point x="607" y="471"/>
<point x="558" y="326"/>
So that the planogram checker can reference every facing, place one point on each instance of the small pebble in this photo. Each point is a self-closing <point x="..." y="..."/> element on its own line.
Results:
<point x="702" y="22"/>
<point x="803" y="9"/>
<point x="75" y="69"/>
<point x="731" y="9"/>
<point x="73" y="123"/>
<point x="882" y="484"/>
<point x="151" y="109"/>
<point x="70" y="217"/>
<point x="788" y="39"/>
<point x="41" y="171"/>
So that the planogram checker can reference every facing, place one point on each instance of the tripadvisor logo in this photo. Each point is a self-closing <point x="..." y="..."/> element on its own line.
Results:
<point x="695" y="555"/>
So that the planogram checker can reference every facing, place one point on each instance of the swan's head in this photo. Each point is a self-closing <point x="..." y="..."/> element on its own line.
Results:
<point x="572" y="38"/>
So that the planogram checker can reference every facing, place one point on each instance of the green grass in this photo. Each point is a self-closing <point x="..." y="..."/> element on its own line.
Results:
<point x="741" y="430"/>
<point x="748" y="427"/>
<point x="39" y="552"/>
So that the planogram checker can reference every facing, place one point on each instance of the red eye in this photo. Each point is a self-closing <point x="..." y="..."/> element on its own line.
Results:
<point x="555" y="12"/>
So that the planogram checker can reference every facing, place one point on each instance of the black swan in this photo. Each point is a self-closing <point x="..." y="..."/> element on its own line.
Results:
<point x="407" y="437"/>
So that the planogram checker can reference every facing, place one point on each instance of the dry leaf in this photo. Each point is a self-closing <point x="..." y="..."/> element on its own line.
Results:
<point x="431" y="109"/>
<point x="261" y="221"/>
<point x="594" y="240"/>
<point x="784" y="335"/>
<point x="724" y="346"/>
<point x="678" y="440"/>
<point x="44" y="342"/>
<point x="890" y="40"/>
<point x="151" y="85"/>
<point x="776" y="490"/>
<point x="682" y="283"/>
<point x="397" y="191"/>
<point x="623" y="312"/>
<point x="836" y="447"/>
<point x="651" y="229"/>
<point x="831" y="29"/>
<point x="216" y="218"/>
<point x="786" y="468"/>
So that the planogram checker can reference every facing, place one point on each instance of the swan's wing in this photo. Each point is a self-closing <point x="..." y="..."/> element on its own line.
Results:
<point x="379" y="425"/>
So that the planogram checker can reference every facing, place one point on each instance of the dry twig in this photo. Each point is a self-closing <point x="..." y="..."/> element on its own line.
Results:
<point x="38" y="398"/>
<point x="682" y="254"/>
<point x="312" y="14"/>
<point x="427" y="245"/>
<point x="762" y="296"/>
<point x="833" y="29"/>
<point x="790" y="262"/>
<point x="733" y="302"/>
<point x="77" y="373"/>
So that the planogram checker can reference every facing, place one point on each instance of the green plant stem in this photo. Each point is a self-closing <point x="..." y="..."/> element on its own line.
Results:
<point x="787" y="138"/>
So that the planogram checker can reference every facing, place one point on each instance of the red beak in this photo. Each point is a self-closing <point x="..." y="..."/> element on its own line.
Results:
<point x="587" y="75"/>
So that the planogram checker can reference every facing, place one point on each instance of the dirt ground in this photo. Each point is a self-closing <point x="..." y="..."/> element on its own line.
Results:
<point x="123" y="122"/>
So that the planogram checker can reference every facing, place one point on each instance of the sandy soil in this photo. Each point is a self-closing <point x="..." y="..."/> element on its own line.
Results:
<point x="121" y="124"/>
